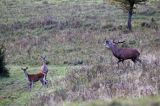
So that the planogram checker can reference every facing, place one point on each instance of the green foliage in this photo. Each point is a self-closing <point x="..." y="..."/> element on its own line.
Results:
<point x="129" y="6"/>
<point x="126" y="3"/>
<point x="3" y="70"/>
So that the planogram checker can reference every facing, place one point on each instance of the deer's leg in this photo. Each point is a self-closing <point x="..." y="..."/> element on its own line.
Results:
<point x="119" y="62"/>
<point x="42" y="83"/>
<point x="45" y="79"/>
<point x="124" y="67"/>
<point x="30" y="85"/>
<point x="139" y="60"/>
<point x="134" y="61"/>
<point x="122" y="61"/>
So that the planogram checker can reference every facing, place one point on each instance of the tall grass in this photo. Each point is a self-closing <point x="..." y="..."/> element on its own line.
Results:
<point x="72" y="33"/>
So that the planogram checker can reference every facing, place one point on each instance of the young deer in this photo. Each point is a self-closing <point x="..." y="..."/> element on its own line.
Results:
<point x="122" y="53"/>
<point x="44" y="68"/>
<point x="31" y="78"/>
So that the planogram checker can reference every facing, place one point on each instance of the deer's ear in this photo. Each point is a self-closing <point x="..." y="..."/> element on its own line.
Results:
<point x="21" y="68"/>
<point x="43" y="57"/>
<point x="107" y="41"/>
<point x="26" y="67"/>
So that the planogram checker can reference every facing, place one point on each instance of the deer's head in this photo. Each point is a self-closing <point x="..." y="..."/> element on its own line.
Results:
<point x="43" y="59"/>
<point x="111" y="43"/>
<point x="24" y="69"/>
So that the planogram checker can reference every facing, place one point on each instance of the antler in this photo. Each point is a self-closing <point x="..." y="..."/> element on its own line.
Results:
<point x="117" y="42"/>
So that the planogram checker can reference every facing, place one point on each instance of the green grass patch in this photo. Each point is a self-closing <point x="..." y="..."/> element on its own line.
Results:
<point x="13" y="90"/>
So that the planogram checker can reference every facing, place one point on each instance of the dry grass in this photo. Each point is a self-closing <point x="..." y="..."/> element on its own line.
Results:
<point x="73" y="34"/>
<point x="104" y="82"/>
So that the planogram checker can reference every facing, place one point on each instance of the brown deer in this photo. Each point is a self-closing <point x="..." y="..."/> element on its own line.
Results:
<point x="31" y="78"/>
<point x="122" y="53"/>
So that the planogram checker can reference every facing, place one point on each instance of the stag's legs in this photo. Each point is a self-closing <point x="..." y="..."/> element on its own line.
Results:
<point x="118" y="63"/>
<point x="45" y="79"/>
<point x="135" y="61"/>
<point x="30" y="85"/>
<point x="139" y="60"/>
<point x="43" y="82"/>
<point x="120" y="60"/>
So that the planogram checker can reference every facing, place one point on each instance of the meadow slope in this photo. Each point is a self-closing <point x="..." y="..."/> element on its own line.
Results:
<point x="82" y="72"/>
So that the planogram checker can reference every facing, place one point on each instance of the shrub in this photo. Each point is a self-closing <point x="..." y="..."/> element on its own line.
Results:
<point x="4" y="72"/>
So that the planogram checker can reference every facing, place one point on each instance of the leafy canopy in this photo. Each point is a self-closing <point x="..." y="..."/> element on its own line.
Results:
<point x="127" y="4"/>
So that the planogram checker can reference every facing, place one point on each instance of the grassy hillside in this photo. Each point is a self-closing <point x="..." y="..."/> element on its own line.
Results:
<point x="75" y="29"/>
<point x="14" y="90"/>
<point x="82" y="72"/>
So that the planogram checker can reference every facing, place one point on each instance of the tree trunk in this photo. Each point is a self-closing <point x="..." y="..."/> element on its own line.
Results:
<point x="130" y="13"/>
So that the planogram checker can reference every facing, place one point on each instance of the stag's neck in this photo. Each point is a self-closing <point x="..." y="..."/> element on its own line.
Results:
<point x="26" y="75"/>
<point x="115" y="50"/>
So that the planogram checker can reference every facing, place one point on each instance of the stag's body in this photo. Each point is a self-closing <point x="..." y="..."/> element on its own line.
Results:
<point x="123" y="53"/>
<point x="31" y="78"/>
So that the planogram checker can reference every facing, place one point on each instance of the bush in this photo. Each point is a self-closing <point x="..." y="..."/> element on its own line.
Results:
<point x="4" y="72"/>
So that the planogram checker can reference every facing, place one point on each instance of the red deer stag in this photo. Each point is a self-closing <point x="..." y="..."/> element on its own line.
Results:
<point x="31" y="78"/>
<point x="122" y="53"/>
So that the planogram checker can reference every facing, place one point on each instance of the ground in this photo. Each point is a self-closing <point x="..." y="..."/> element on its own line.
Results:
<point x="82" y="72"/>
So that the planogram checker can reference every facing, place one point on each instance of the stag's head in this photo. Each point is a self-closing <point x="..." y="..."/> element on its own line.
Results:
<point x="111" y="43"/>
